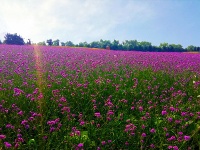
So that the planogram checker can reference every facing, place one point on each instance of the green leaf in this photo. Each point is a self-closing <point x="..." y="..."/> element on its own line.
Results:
<point x="158" y="121"/>
<point x="31" y="141"/>
<point x="93" y="143"/>
<point x="84" y="136"/>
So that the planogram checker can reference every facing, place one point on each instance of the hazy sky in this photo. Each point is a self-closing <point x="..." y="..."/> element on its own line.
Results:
<point x="155" y="21"/>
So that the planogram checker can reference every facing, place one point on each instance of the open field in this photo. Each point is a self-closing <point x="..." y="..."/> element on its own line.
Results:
<point x="76" y="98"/>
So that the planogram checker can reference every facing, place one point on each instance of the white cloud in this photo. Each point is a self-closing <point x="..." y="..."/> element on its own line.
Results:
<point x="77" y="20"/>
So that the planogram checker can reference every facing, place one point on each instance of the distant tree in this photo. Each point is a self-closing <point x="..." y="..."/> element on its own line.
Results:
<point x="50" y="43"/>
<point x="177" y="47"/>
<point x="144" y="45"/>
<point x="0" y="42"/>
<point x="41" y="43"/>
<point x="56" y="42"/>
<point x="85" y="44"/>
<point x="107" y="47"/>
<point x="156" y="49"/>
<point x="95" y="44"/>
<point x="80" y="44"/>
<point x="104" y="44"/>
<point x="28" y="42"/>
<point x="170" y="48"/>
<point x="130" y="45"/>
<point x="62" y="44"/>
<point x="115" y="45"/>
<point x="164" y="46"/>
<point x="133" y="44"/>
<point x="69" y="43"/>
<point x="126" y="45"/>
<point x="190" y="48"/>
<point x="13" y="39"/>
<point x="198" y="49"/>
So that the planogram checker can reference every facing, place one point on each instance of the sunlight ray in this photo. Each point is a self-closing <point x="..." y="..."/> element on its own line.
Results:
<point x="40" y="81"/>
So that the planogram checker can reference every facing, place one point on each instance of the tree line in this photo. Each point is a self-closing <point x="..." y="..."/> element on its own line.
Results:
<point x="127" y="45"/>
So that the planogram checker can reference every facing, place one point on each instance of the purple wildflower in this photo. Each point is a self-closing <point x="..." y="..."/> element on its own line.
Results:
<point x="140" y="108"/>
<point x="97" y="114"/>
<point x="164" y="112"/>
<point x="175" y="147"/>
<point x="80" y="145"/>
<point x="7" y="145"/>
<point x="82" y="123"/>
<point x="172" y="109"/>
<point x="2" y="136"/>
<point x="152" y="146"/>
<point x="103" y="142"/>
<point x="152" y="130"/>
<point x="180" y="133"/>
<point x="20" y="113"/>
<point x="186" y="138"/>
<point x="144" y="135"/>
<point x="109" y="141"/>
<point x="17" y="92"/>
<point x="170" y="147"/>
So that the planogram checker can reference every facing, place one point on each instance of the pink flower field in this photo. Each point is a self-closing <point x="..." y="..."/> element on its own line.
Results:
<point x="81" y="98"/>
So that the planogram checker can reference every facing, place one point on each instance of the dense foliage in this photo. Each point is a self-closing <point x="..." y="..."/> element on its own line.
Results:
<point x="50" y="42"/>
<point x="13" y="39"/>
<point x="134" y="45"/>
<point x="127" y="45"/>
<point x="80" y="98"/>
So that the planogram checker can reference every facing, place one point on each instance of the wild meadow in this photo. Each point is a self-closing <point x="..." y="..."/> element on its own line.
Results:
<point x="81" y="98"/>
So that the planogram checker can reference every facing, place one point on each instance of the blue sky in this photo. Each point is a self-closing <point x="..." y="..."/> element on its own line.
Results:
<point x="155" y="21"/>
